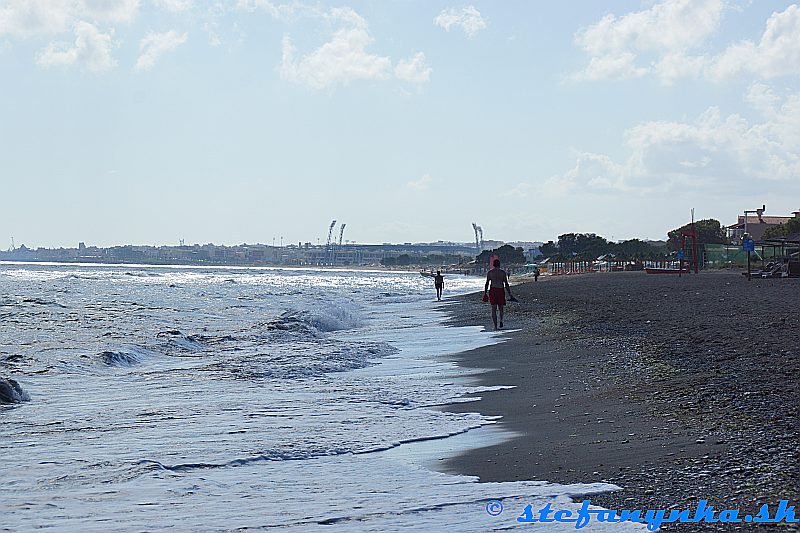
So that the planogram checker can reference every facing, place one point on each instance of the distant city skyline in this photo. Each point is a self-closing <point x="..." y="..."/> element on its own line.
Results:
<point x="305" y="243"/>
<point x="152" y="121"/>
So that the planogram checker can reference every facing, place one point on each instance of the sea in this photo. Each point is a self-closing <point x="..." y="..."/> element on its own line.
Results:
<point x="174" y="398"/>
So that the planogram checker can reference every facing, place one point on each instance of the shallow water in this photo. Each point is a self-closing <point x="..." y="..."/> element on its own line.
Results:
<point x="218" y="399"/>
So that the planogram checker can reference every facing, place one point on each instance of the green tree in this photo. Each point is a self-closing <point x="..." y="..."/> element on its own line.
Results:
<point x="709" y="231"/>
<point x="591" y="246"/>
<point x="567" y="244"/>
<point x="507" y="253"/>
<point x="583" y="246"/>
<point x="635" y="249"/>
<point x="782" y="230"/>
<point x="549" y="249"/>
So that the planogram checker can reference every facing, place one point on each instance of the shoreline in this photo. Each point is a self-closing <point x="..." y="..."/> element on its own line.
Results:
<point x="655" y="385"/>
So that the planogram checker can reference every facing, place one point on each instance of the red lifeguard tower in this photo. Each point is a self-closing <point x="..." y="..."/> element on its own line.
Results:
<point x="688" y="256"/>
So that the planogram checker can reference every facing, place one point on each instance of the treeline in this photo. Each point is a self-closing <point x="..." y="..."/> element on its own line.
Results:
<point x="508" y="256"/>
<point x="788" y="228"/>
<point x="588" y="246"/>
<point x="709" y="231"/>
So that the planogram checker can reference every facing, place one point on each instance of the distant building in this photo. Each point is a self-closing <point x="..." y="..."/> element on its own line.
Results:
<point x="533" y="253"/>
<point x="755" y="226"/>
<point x="249" y="254"/>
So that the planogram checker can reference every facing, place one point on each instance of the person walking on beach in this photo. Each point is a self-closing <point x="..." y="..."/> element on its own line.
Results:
<point x="438" y="280"/>
<point x="498" y="279"/>
<point x="536" y="273"/>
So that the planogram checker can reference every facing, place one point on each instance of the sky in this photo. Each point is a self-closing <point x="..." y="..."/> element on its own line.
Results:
<point x="151" y="121"/>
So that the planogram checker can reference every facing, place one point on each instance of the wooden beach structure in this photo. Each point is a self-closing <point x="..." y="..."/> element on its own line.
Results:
<point x="785" y="254"/>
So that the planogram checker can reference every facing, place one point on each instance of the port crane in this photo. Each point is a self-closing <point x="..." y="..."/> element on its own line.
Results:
<point x="478" y="236"/>
<point x="330" y="234"/>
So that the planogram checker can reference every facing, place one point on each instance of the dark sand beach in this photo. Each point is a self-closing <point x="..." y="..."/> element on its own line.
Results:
<point x="675" y="389"/>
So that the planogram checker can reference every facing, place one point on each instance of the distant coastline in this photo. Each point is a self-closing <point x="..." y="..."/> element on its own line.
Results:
<point x="386" y="256"/>
<point x="416" y="255"/>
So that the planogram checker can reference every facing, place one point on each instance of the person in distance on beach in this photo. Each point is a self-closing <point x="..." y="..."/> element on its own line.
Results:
<point x="438" y="280"/>
<point x="498" y="279"/>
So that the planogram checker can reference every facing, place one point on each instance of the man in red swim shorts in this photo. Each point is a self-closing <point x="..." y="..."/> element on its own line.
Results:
<point x="498" y="279"/>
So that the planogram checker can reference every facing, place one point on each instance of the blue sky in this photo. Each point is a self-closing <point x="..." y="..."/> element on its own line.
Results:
<point x="150" y="121"/>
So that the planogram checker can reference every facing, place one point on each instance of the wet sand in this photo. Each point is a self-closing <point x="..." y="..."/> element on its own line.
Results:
<point x="675" y="389"/>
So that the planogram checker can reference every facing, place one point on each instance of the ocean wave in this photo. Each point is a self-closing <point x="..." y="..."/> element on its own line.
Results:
<point x="423" y="438"/>
<point x="322" y="320"/>
<point x="13" y="358"/>
<point x="180" y="340"/>
<point x="304" y="359"/>
<point x="210" y="340"/>
<point x="11" y="392"/>
<point x="143" y="274"/>
<point x="264" y="457"/>
<point x="303" y="455"/>
<point x="83" y="276"/>
<point x="42" y="301"/>
<point x="125" y="358"/>
<point x="291" y="321"/>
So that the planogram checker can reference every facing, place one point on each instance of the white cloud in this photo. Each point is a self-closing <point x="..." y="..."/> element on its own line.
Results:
<point x="675" y="65"/>
<point x="278" y="11"/>
<point x="468" y="18"/>
<point x="175" y="6"/>
<point x="597" y="171"/>
<point x="620" y="67"/>
<point x="667" y="29"/>
<point x="414" y="70"/>
<point x="346" y="15"/>
<point x="38" y="18"/>
<point x="154" y="45"/>
<point x="713" y="152"/>
<point x="776" y="54"/>
<point x="108" y="10"/>
<point x="762" y="98"/>
<point x="668" y="25"/>
<point x="33" y="18"/>
<point x="92" y="50"/>
<point x="663" y="40"/>
<point x="422" y="184"/>
<point x="341" y="60"/>
<point x="212" y="25"/>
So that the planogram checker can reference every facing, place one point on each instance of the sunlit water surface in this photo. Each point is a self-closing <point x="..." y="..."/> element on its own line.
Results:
<point x="221" y="399"/>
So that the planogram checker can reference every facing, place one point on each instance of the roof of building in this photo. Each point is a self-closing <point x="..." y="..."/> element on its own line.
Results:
<point x="791" y="238"/>
<point x="773" y="221"/>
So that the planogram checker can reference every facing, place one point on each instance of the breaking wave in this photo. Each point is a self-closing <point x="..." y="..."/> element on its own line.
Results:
<point x="11" y="392"/>
<point x="318" y="321"/>
<point x="311" y="358"/>
<point x="125" y="358"/>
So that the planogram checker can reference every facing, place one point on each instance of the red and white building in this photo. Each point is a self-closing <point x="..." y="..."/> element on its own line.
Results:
<point x="755" y="225"/>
